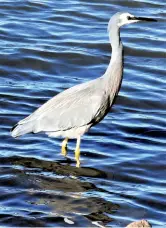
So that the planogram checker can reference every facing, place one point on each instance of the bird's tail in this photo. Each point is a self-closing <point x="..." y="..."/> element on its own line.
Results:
<point x="22" y="129"/>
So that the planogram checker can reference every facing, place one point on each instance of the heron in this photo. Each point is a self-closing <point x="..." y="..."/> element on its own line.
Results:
<point x="71" y="113"/>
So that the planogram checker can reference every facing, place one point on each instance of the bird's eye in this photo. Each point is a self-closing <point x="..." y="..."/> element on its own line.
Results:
<point x="128" y="18"/>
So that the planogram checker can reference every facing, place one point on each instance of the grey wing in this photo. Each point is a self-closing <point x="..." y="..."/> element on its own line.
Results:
<point x="72" y="108"/>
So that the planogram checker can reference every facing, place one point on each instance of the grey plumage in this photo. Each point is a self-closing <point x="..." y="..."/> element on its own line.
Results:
<point x="48" y="117"/>
<point x="74" y="111"/>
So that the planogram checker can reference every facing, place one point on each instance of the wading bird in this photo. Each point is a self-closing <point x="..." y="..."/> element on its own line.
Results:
<point x="74" y="111"/>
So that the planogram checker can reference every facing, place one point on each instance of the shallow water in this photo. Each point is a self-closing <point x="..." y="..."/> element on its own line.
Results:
<point x="48" y="46"/>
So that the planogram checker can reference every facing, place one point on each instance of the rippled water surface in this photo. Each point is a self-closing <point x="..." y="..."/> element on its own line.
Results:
<point x="48" y="46"/>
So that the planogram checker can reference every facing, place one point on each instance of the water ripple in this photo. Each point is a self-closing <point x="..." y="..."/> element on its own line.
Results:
<point x="47" y="47"/>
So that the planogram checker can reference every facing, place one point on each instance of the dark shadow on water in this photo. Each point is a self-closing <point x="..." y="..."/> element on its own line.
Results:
<point x="53" y="193"/>
<point x="55" y="167"/>
<point x="92" y="208"/>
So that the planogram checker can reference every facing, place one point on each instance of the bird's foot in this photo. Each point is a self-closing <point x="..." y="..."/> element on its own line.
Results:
<point x="77" y="157"/>
<point x="64" y="147"/>
<point x="64" y="151"/>
<point x="78" y="164"/>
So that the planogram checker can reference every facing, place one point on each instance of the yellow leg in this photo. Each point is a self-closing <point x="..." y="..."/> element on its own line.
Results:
<point x="77" y="152"/>
<point x="64" y="147"/>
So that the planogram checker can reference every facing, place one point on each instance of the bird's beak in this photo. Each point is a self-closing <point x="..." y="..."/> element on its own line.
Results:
<point x="143" y="19"/>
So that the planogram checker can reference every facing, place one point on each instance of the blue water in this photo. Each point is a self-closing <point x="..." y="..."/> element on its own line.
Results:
<point x="48" y="46"/>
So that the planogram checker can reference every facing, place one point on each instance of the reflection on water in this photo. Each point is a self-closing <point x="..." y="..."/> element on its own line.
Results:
<point x="48" y="46"/>
<point x="56" y="191"/>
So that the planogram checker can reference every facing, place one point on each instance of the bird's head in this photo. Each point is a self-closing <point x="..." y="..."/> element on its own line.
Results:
<point x="120" y="19"/>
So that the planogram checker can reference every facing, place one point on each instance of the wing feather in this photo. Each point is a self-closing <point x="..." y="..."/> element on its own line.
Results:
<point x="74" y="107"/>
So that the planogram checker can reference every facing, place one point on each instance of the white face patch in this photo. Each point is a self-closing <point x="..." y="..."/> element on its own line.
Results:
<point x="123" y="19"/>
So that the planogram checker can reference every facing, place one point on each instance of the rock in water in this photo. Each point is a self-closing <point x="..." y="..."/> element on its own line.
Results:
<point x="139" y="224"/>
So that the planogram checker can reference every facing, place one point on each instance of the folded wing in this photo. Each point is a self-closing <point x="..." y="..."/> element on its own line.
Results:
<point x="75" y="107"/>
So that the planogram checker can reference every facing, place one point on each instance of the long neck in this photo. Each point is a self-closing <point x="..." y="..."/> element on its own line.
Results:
<point x="113" y="74"/>
<point x="114" y="38"/>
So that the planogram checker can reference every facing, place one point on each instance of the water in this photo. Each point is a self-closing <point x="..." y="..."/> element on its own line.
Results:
<point x="48" y="46"/>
